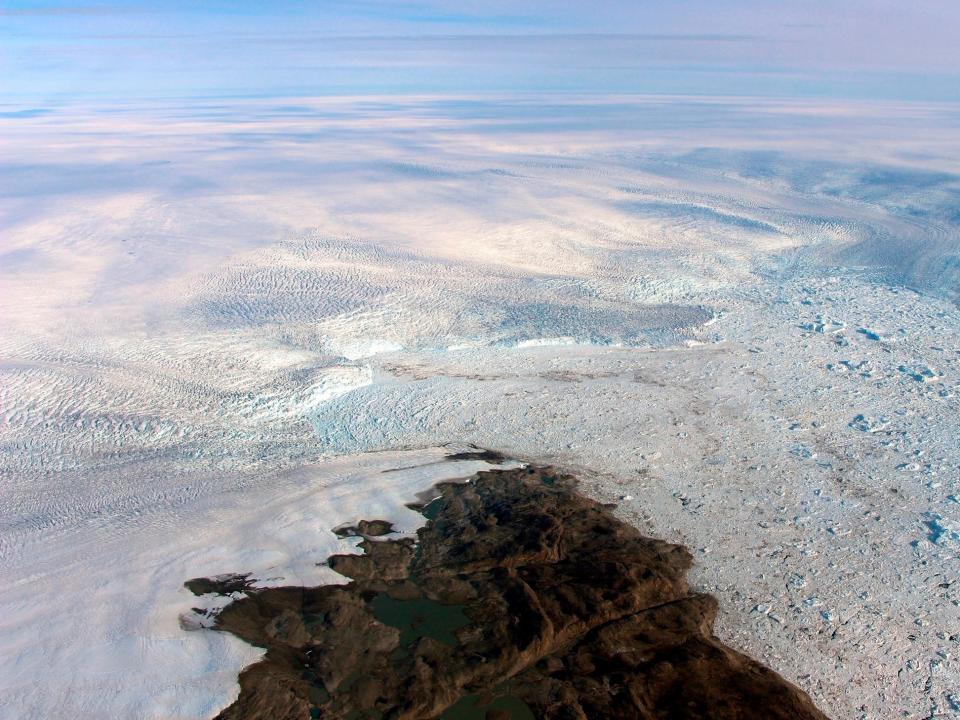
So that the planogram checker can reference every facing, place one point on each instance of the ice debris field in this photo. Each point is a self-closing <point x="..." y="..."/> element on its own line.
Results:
<point x="737" y="319"/>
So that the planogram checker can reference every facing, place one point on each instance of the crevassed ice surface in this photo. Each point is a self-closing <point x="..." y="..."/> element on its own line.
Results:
<point x="754" y="336"/>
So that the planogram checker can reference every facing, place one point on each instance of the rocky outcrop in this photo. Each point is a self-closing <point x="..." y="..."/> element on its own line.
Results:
<point x="520" y="599"/>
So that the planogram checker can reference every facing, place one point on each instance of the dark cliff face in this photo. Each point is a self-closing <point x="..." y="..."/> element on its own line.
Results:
<point x="521" y="599"/>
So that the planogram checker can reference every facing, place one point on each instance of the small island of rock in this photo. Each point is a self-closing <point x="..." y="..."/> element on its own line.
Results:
<point x="519" y="599"/>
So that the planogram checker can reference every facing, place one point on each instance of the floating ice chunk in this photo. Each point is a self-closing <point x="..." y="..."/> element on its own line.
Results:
<point x="864" y="367"/>
<point x="875" y="334"/>
<point x="869" y="424"/>
<point x="908" y="467"/>
<point x="804" y="452"/>
<point x="941" y="530"/>
<point x="797" y="580"/>
<point x="920" y="373"/>
<point x="826" y="326"/>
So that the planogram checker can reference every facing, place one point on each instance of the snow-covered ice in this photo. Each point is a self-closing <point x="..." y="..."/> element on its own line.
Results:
<point x="213" y="345"/>
<point x="104" y="602"/>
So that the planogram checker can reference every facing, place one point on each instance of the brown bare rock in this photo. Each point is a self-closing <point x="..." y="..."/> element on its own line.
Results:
<point x="521" y="599"/>
<point x="366" y="529"/>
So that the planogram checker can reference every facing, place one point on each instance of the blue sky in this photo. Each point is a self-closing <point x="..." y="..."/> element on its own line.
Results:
<point x="65" y="50"/>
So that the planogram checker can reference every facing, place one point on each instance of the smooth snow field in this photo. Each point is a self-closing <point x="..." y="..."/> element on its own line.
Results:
<point x="221" y="323"/>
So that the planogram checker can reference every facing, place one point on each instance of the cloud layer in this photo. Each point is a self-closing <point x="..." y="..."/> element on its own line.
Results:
<point x="852" y="48"/>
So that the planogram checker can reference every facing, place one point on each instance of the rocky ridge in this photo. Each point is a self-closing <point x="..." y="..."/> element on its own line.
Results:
<point x="520" y="599"/>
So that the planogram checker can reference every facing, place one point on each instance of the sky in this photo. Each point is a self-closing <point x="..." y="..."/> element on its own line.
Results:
<point x="65" y="50"/>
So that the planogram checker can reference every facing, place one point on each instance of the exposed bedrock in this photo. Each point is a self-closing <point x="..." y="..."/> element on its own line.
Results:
<point x="521" y="599"/>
